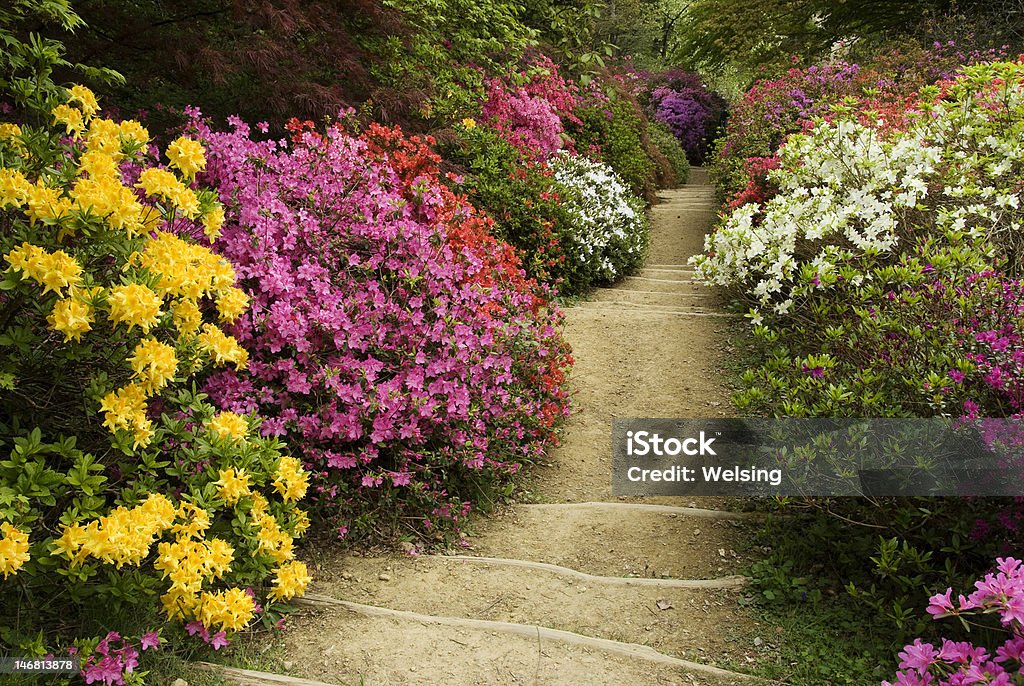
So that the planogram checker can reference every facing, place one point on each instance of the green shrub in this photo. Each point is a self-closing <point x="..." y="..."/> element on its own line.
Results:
<point x="669" y="146"/>
<point x="615" y="129"/>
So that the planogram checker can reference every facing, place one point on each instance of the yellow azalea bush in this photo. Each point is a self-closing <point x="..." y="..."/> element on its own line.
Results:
<point x="120" y="486"/>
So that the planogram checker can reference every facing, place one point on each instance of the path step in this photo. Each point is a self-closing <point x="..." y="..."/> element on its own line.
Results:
<point x="701" y="512"/>
<point x="734" y="581"/>
<point x="673" y="269"/>
<point x="619" y="539"/>
<point x="657" y="281"/>
<point x="619" y="306"/>
<point x="684" y="622"/>
<point x="676" y="301"/>
<point x="546" y="642"/>
<point x="249" y="677"/>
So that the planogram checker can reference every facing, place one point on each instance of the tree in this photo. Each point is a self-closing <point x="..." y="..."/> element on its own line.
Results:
<point x="754" y="33"/>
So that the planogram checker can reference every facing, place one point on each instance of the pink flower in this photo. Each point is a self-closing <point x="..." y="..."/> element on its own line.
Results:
<point x="919" y="656"/>
<point x="150" y="639"/>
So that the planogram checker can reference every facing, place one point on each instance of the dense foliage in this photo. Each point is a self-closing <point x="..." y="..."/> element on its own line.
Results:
<point x="123" y="488"/>
<point x="390" y="336"/>
<point x="878" y="248"/>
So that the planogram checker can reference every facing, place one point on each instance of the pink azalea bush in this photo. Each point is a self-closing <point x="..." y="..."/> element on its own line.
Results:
<point x="530" y="109"/>
<point x="961" y="663"/>
<point x="401" y="358"/>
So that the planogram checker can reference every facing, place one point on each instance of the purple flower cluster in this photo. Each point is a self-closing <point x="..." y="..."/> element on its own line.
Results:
<point x="114" y="657"/>
<point x="960" y="663"/>
<point x="691" y="111"/>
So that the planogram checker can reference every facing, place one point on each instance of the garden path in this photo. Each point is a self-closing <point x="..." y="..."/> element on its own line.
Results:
<point x="577" y="588"/>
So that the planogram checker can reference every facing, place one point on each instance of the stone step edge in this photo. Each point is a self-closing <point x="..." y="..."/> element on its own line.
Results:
<point x="664" y="293"/>
<point x="725" y="582"/>
<point x="249" y="677"/>
<point x="699" y="512"/>
<point x="691" y="282"/>
<point x="630" y="650"/>
<point x="633" y="308"/>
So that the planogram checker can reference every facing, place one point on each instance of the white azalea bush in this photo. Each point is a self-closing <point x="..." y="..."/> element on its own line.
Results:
<point x="850" y="190"/>
<point x="888" y="259"/>
<point x="609" y="227"/>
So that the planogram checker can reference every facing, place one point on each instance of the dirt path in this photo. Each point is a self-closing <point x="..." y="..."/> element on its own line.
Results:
<point x="579" y="588"/>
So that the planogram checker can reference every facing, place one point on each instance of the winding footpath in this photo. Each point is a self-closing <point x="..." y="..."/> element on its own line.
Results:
<point x="577" y="588"/>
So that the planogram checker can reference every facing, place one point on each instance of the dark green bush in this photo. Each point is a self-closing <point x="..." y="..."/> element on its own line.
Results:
<point x="669" y="146"/>
<point x="616" y="128"/>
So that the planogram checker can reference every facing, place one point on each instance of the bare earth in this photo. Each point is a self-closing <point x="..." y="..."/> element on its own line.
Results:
<point x="627" y="591"/>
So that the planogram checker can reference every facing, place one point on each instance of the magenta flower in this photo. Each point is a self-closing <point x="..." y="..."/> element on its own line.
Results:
<point x="150" y="639"/>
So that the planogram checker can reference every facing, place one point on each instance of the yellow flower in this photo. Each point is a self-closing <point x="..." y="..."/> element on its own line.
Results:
<point x="270" y="538"/>
<point x="123" y="407"/>
<point x="232" y="485"/>
<point x="221" y="347"/>
<point x="160" y="182"/>
<point x="469" y="123"/>
<point x="98" y="164"/>
<point x="195" y="520"/>
<point x="134" y="304"/>
<point x="70" y="543"/>
<point x="290" y="580"/>
<point x="185" y="269"/>
<point x="231" y="304"/>
<point x="187" y="156"/>
<point x="71" y="118"/>
<point x="45" y="203"/>
<point x="133" y="130"/>
<point x="85" y="98"/>
<point x="179" y="604"/>
<point x="213" y="221"/>
<point x="187" y="317"/>
<point x="14" y="188"/>
<point x="290" y="480"/>
<point x="301" y="522"/>
<point x="105" y="136"/>
<point x="230" y="610"/>
<point x="26" y="258"/>
<point x="60" y="270"/>
<point x="8" y="130"/>
<point x="229" y="425"/>
<point x="154" y="364"/>
<point x="72" y="318"/>
<point x="124" y="536"/>
<point x="54" y="270"/>
<point x="13" y="549"/>
<point x="142" y="430"/>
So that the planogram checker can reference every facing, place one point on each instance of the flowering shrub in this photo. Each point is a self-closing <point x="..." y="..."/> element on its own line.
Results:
<point x="122" y="487"/>
<point x="389" y="335"/>
<point x="886" y="90"/>
<point x="953" y="663"/>
<point x="528" y="110"/>
<point x="693" y="113"/>
<point x="611" y="130"/>
<point x="610" y="227"/>
<point x="882" y="276"/>
<point x="849" y="190"/>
